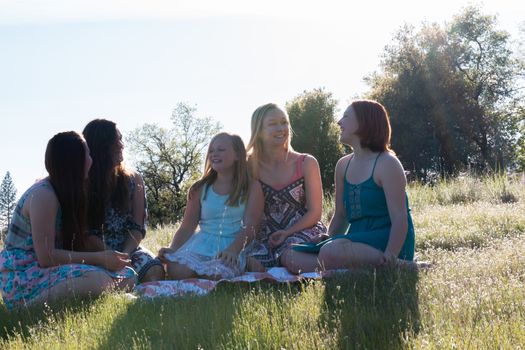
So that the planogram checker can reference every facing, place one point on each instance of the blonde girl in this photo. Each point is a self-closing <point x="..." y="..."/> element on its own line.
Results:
<point x="226" y="206"/>
<point x="291" y="183"/>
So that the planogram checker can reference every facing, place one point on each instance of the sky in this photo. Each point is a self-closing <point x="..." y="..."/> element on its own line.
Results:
<point x="66" y="62"/>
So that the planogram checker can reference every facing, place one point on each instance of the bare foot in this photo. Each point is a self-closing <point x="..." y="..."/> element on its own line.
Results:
<point x="252" y="265"/>
<point x="413" y="265"/>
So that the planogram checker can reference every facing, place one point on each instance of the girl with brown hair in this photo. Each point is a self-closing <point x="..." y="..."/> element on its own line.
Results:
<point x="371" y="204"/>
<point x="117" y="201"/>
<point x="44" y="257"/>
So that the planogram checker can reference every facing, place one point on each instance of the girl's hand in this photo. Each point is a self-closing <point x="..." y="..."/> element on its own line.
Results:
<point x="113" y="260"/>
<point x="163" y="252"/>
<point x="277" y="238"/>
<point x="229" y="258"/>
<point x="387" y="259"/>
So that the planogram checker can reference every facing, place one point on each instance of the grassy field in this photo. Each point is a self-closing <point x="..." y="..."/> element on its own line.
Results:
<point x="473" y="296"/>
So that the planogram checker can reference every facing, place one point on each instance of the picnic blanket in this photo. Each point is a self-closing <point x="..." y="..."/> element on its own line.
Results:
<point x="198" y="286"/>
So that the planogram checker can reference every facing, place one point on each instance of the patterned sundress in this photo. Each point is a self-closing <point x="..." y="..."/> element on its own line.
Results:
<point x="219" y="225"/>
<point x="22" y="280"/>
<point x="116" y="231"/>
<point x="367" y="213"/>
<point x="283" y="207"/>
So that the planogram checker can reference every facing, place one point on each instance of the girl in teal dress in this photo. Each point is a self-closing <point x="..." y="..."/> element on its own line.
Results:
<point x="371" y="201"/>
<point x="226" y="206"/>
<point x="44" y="255"/>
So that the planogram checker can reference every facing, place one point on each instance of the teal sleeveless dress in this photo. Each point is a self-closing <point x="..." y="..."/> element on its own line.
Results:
<point x="367" y="213"/>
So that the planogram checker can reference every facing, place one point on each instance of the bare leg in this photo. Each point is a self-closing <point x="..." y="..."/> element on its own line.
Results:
<point x="343" y="253"/>
<point x="154" y="273"/>
<point x="210" y="277"/>
<point x="91" y="283"/>
<point x="126" y="284"/>
<point x="176" y="271"/>
<point x="297" y="262"/>
<point x="253" y="265"/>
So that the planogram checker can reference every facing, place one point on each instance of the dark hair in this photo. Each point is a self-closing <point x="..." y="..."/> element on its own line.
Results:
<point x="65" y="162"/>
<point x="108" y="182"/>
<point x="374" y="125"/>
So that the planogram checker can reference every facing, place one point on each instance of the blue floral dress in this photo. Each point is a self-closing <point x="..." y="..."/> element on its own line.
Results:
<point x="116" y="230"/>
<point x="22" y="280"/>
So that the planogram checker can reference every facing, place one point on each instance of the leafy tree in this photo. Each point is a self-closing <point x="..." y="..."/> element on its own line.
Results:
<point x="312" y="116"/>
<point x="520" y="159"/>
<point x="170" y="160"/>
<point x="7" y="202"/>
<point x="453" y="95"/>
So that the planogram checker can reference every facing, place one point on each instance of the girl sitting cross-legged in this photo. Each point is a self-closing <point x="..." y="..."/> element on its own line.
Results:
<point x="117" y="201"/>
<point x="227" y="206"/>
<point x="291" y="183"/>
<point x="44" y="256"/>
<point x="371" y="202"/>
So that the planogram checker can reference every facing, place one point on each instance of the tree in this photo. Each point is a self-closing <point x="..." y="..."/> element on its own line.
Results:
<point x="7" y="202"/>
<point x="452" y="95"/>
<point x="170" y="160"/>
<point x="312" y="116"/>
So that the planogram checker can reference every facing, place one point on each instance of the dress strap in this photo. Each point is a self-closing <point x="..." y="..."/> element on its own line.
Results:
<point x="40" y="183"/>
<point x="375" y="162"/>
<point x="299" y="167"/>
<point x="132" y="186"/>
<point x="348" y="164"/>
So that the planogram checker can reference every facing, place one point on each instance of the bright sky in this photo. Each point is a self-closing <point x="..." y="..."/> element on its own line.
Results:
<point x="65" y="62"/>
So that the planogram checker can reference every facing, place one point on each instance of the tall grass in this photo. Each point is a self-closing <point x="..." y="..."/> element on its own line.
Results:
<point x="495" y="189"/>
<point x="472" y="297"/>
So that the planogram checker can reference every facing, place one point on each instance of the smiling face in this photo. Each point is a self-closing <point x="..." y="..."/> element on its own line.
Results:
<point x="275" y="128"/>
<point x="349" y="126"/>
<point x="221" y="154"/>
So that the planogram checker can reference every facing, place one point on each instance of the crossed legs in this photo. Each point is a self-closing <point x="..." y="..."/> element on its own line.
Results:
<point x="90" y="283"/>
<point x="337" y="254"/>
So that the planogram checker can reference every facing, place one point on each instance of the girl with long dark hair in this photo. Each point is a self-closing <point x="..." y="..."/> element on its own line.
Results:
<point x="44" y="255"/>
<point x="117" y="201"/>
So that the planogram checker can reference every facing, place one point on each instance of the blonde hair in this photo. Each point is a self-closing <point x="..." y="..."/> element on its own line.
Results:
<point x="240" y="181"/>
<point x="255" y="145"/>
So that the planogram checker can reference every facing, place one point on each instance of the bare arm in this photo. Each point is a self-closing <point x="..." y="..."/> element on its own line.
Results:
<point x="314" y="196"/>
<point x="252" y="218"/>
<point x="339" y="222"/>
<point x="138" y="210"/>
<point x="391" y="177"/>
<point x="94" y="244"/>
<point x="42" y="209"/>
<point x="190" y="220"/>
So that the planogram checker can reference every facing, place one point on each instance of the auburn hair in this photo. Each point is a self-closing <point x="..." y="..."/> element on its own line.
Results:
<point x="65" y="162"/>
<point x="108" y="182"/>
<point x="374" y="129"/>
<point x="240" y="181"/>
